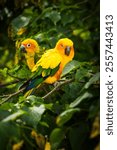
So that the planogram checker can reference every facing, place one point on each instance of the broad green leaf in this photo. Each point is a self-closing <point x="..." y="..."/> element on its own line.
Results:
<point x="18" y="25"/>
<point x="81" y="73"/>
<point x="66" y="116"/>
<point x="56" y="136"/>
<point x="69" y="67"/>
<point x="67" y="17"/>
<point x="21" y="72"/>
<point x="80" y="99"/>
<point x="20" y="21"/>
<point x="92" y="80"/>
<point x="53" y="15"/>
<point x="13" y="116"/>
<point x="33" y="115"/>
<point x="34" y="100"/>
<point x="4" y="113"/>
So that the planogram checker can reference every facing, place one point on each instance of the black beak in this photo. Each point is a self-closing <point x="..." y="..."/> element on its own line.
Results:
<point x="67" y="50"/>
<point x="22" y="48"/>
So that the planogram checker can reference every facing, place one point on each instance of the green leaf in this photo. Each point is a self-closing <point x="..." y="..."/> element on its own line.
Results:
<point x="53" y="15"/>
<point x="85" y="35"/>
<point x="21" y="72"/>
<point x="80" y="99"/>
<point x="66" y="116"/>
<point x="76" y="32"/>
<point x="81" y="73"/>
<point x="33" y="115"/>
<point x="19" y="23"/>
<point x="4" y="113"/>
<point x="34" y="100"/>
<point x="69" y="67"/>
<point x="56" y="137"/>
<point x="4" y="71"/>
<point x="13" y="116"/>
<point x="92" y="80"/>
<point x="67" y="17"/>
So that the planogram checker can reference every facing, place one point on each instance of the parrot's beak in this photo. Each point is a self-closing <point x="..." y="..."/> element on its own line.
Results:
<point x="23" y="49"/>
<point x="67" y="50"/>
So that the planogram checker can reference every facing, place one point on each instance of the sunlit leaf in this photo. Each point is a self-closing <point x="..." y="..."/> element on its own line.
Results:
<point x="4" y="71"/>
<point x="76" y="32"/>
<point x="33" y="115"/>
<point x="80" y="99"/>
<point x="66" y="116"/>
<point x="92" y="80"/>
<point x="85" y="35"/>
<point x="13" y="116"/>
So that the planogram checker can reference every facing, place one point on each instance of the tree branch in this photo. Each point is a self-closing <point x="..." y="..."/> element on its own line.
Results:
<point x="11" y="95"/>
<point x="57" y="87"/>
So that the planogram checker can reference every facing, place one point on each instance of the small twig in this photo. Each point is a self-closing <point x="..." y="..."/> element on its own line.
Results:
<point x="57" y="87"/>
<point x="11" y="95"/>
<point x="9" y="83"/>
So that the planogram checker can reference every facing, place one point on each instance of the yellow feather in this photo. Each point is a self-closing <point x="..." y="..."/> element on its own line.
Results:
<point x="50" y="59"/>
<point x="53" y="57"/>
<point x="30" y="49"/>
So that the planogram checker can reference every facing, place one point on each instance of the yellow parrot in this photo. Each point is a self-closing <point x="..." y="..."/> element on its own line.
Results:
<point x="30" y="48"/>
<point x="49" y="67"/>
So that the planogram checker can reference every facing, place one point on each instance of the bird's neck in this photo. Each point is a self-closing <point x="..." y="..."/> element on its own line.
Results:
<point x="30" y="62"/>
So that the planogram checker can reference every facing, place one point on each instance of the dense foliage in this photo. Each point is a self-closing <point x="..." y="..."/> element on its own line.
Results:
<point x="65" y="116"/>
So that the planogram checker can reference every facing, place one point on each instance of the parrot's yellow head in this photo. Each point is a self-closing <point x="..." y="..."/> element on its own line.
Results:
<point x="65" y="47"/>
<point x="29" y="46"/>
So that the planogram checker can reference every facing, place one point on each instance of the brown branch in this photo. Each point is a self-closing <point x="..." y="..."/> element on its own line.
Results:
<point x="57" y="87"/>
<point x="11" y="95"/>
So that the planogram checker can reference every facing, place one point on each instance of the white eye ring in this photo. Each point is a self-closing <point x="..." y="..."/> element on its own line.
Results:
<point x="28" y="45"/>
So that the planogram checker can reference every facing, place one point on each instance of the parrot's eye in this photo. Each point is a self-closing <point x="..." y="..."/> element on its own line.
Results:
<point x="28" y="45"/>
<point x="62" y="46"/>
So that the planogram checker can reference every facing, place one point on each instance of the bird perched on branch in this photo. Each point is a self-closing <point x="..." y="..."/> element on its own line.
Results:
<point x="30" y="48"/>
<point x="49" y="67"/>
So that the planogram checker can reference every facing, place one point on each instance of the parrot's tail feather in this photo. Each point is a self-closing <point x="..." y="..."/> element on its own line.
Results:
<point x="28" y="93"/>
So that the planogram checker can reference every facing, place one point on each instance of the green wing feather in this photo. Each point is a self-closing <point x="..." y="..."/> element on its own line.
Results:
<point x="47" y="66"/>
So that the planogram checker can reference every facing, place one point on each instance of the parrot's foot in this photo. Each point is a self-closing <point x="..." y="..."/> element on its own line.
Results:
<point x="57" y="83"/>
